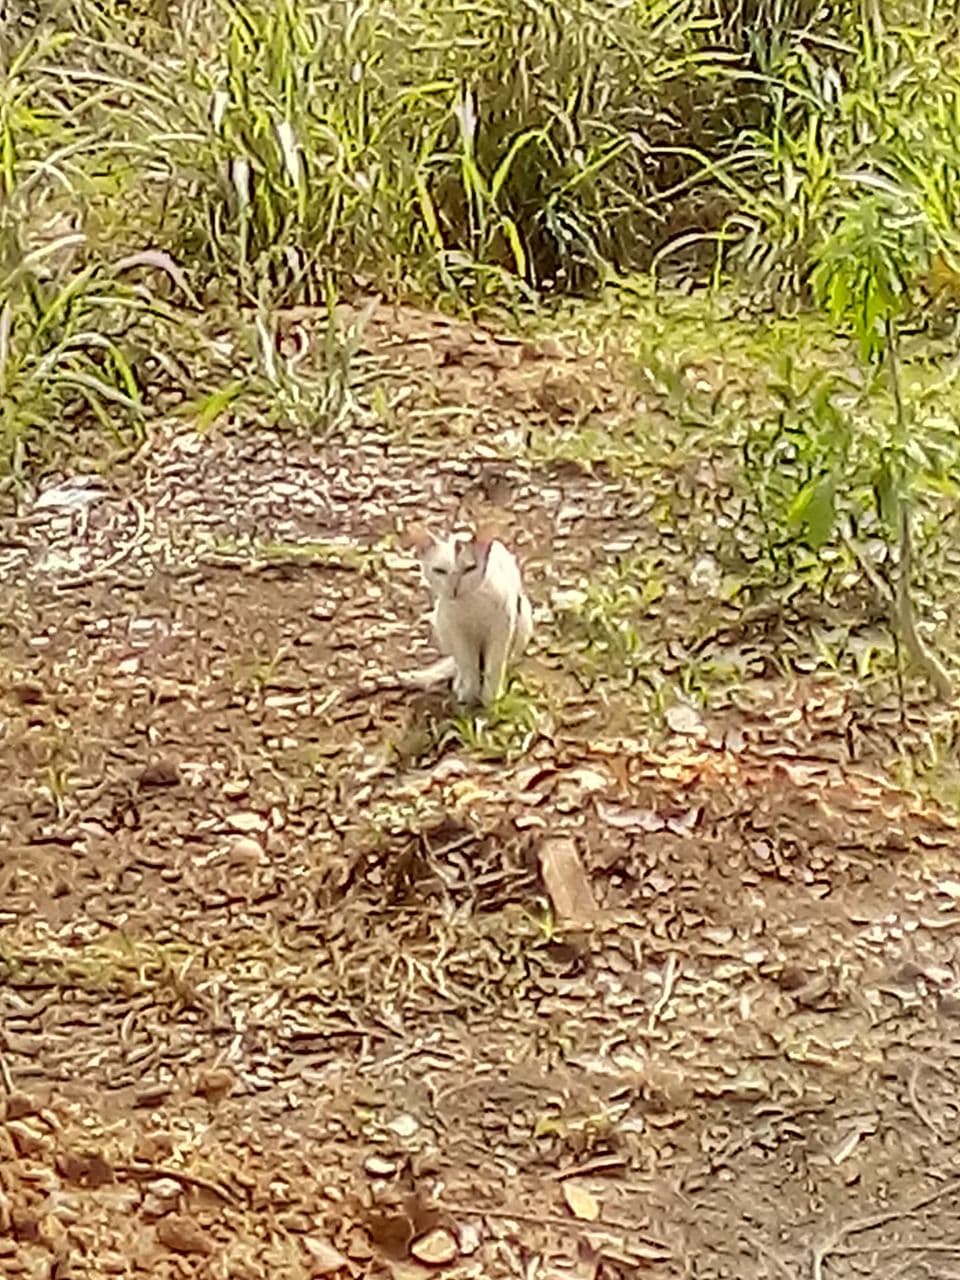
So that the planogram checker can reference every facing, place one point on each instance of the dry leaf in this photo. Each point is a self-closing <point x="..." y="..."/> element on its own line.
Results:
<point x="581" y="1203"/>
<point x="184" y="1235"/>
<point x="324" y="1258"/>
<point x="630" y="819"/>
<point x="683" y="719"/>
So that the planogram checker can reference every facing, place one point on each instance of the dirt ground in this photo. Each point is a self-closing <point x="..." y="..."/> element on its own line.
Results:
<point x="280" y="991"/>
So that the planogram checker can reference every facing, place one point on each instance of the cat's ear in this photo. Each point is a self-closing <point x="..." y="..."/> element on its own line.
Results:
<point x="419" y="538"/>
<point x="485" y="535"/>
<point x="483" y="540"/>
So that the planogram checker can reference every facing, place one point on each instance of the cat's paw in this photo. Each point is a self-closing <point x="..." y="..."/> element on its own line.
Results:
<point x="466" y="692"/>
<point x="491" y="693"/>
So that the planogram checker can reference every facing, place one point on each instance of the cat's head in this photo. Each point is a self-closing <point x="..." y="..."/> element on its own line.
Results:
<point x="452" y="567"/>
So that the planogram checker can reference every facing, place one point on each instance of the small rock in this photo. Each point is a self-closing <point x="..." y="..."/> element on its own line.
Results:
<point x="154" y="1207"/>
<point x="184" y="1235"/>
<point x="163" y="773"/>
<point x="215" y="1084"/>
<point x="150" y="1095"/>
<point x="469" y="1238"/>
<point x="436" y="1248"/>
<point x="246" y="850"/>
<point x="167" y="1189"/>
<point x="90" y="1170"/>
<point x="380" y="1167"/>
<point x="246" y="822"/>
<point x="792" y="978"/>
<point x="18" y="1105"/>
<point x="568" y="601"/>
<point x="547" y="349"/>
<point x="27" y="1138"/>
<point x="938" y="975"/>
<point x="706" y="575"/>
<point x="113" y="1264"/>
<point x="403" y="1125"/>
<point x="154" y="1147"/>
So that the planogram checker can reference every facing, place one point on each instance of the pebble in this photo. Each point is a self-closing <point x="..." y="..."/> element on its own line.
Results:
<point x="435" y="1248"/>
<point x="246" y="822"/>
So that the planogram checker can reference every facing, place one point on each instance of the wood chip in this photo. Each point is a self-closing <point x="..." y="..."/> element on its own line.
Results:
<point x="567" y="882"/>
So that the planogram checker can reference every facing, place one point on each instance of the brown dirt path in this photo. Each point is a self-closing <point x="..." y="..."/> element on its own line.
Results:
<point x="279" y="992"/>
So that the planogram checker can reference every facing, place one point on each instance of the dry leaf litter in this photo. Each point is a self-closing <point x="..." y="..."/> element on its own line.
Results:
<point x="294" y="985"/>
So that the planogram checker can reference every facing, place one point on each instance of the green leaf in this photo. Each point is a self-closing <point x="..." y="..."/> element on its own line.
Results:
<point x="815" y="509"/>
<point x="208" y="408"/>
<point x="502" y="171"/>
<point x="516" y="245"/>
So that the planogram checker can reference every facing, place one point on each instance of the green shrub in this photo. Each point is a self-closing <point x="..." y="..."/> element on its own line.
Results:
<point x="854" y="103"/>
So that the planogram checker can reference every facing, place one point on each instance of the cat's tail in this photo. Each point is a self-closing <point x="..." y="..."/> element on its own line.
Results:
<point x="438" y="672"/>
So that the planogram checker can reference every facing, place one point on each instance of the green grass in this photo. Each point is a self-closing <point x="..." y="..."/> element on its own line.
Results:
<point x="506" y="731"/>
<point x="271" y="148"/>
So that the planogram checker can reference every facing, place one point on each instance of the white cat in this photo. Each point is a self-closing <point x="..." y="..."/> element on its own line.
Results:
<point x="481" y="617"/>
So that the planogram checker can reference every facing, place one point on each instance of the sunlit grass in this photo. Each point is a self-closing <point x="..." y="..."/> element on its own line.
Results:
<point x="504" y="731"/>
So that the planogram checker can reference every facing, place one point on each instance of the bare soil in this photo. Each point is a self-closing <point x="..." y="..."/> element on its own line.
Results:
<point x="281" y="991"/>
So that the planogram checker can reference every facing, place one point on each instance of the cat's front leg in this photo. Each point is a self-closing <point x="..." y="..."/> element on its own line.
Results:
<point x="467" y="681"/>
<point x="466" y="688"/>
<point x="495" y="662"/>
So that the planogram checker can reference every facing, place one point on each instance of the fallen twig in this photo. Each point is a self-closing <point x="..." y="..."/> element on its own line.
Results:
<point x="599" y="1165"/>
<point x="180" y="1175"/>
<point x="669" y="978"/>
